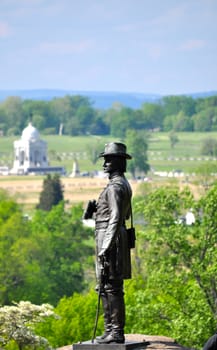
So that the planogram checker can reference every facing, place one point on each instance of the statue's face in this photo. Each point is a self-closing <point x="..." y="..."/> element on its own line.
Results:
<point x="114" y="163"/>
<point x="111" y="164"/>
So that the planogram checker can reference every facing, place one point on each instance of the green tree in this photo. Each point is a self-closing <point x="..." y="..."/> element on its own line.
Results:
<point x="137" y="147"/>
<point x="99" y="126"/>
<point x="93" y="150"/>
<point x="209" y="147"/>
<point x="173" y="139"/>
<point x="180" y="263"/>
<point x="168" y="122"/>
<point x="66" y="256"/>
<point x="122" y="121"/>
<point x="20" y="273"/>
<point x="111" y="114"/>
<point x="183" y="122"/>
<point x="202" y="121"/>
<point x="38" y="121"/>
<point x="3" y="120"/>
<point x="34" y="108"/>
<point x="13" y="229"/>
<point x="13" y="110"/>
<point x="75" y="113"/>
<point x="85" y="116"/>
<point x="172" y="105"/>
<point x="44" y="258"/>
<point x="76" y="322"/>
<point x="152" y="116"/>
<point x="52" y="192"/>
<point x="8" y="206"/>
<point x="204" y="103"/>
<point x="62" y="111"/>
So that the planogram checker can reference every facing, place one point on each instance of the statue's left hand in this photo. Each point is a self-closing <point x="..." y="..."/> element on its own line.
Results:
<point x="103" y="259"/>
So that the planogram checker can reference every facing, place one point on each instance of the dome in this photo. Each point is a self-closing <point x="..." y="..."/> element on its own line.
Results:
<point x="30" y="133"/>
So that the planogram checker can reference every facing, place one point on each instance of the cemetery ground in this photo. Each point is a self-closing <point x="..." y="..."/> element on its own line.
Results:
<point x="63" y="150"/>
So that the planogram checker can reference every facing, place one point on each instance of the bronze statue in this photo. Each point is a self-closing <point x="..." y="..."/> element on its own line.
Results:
<point x="113" y="263"/>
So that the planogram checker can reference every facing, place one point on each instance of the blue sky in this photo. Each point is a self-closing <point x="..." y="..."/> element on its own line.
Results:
<point x="157" y="46"/>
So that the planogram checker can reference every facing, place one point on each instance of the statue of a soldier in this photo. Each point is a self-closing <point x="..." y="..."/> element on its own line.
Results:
<point x="113" y="263"/>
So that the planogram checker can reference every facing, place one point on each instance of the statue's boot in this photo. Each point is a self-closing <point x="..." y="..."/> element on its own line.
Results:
<point x="107" y="317"/>
<point x="117" y="309"/>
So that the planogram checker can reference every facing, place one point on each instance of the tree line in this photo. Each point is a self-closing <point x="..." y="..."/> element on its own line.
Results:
<point x="75" y="115"/>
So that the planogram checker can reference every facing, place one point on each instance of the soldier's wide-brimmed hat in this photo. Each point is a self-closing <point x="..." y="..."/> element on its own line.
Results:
<point x="117" y="149"/>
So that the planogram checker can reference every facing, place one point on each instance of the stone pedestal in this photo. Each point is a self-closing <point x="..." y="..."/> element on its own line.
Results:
<point x="88" y="345"/>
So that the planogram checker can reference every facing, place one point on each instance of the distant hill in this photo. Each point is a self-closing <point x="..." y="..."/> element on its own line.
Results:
<point x="101" y="100"/>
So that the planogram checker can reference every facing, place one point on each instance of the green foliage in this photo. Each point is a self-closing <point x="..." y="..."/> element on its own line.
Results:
<point x="173" y="139"/>
<point x="44" y="258"/>
<point x="52" y="192"/>
<point x="8" y="206"/>
<point x="76" y="320"/>
<point x="121" y="121"/>
<point x="174" y="104"/>
<point x="13" y="229"/>
<point x="209" y="147"/>
<point x="38" y="121"/>
<point x="182" y="122"/>
<point x="65" y="250"/>
<point x="206" y="120"/>
<point x="179" y="297"/>
<point x="94" y="149"/>
<point x="13" y="113"/>
<point x="137" y="147"/>
<point x="17" y="325"/>
<point x="152" y="116"/>
<point x="169" y="305"/>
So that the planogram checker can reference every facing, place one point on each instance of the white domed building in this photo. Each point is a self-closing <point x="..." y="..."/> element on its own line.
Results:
<point x="30" y="154"/>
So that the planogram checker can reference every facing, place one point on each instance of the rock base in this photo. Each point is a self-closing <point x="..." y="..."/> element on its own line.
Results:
<point x="88" y="345"/>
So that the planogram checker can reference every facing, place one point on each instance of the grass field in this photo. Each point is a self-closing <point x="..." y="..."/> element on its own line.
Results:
<point x="62" y="150"/>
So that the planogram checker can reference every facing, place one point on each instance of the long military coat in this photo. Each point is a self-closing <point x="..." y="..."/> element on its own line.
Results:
<point x="113" y="208"/>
